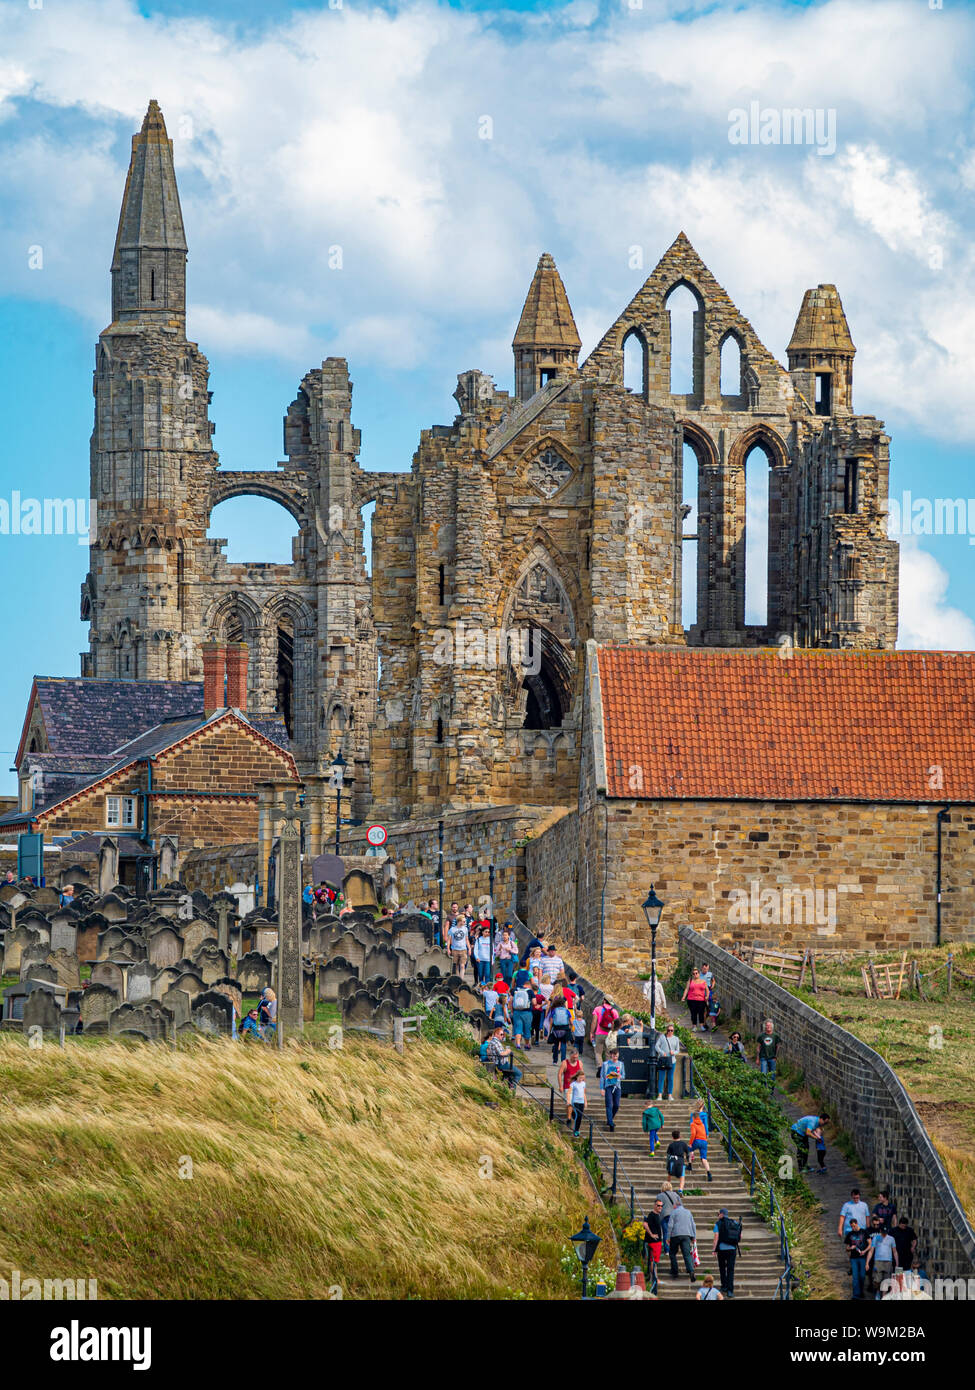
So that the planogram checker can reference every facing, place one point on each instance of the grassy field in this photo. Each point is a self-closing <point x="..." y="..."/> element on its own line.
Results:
<point x="929" y="1043"/>
<point x="315" y="1173"/>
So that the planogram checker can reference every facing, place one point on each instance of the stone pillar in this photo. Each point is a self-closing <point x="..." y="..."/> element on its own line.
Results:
<point x="222" y="903"/>
<point x="290" y="982"/>
<point x="108" y="865"/>
<point x="315" y="787"/>
<point x="265" y="834"/>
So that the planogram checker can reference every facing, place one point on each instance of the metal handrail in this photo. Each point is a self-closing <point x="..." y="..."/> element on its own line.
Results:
<point x="785" y="1279"/>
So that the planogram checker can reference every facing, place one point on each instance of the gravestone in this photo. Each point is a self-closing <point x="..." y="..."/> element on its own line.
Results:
<point x="110" y="973"/>
<point x="163" y="980"/>
<point x="67" y="968"/>
<point x="138" y="985"/>
<point x="350" y="948"/>
<point x="253" y="972"/>
<point x="244" y="893"/>
<point x="308" y="994"/>
<point x="231" y="988"/>
<point x="212" y="963"/>
<point x="131" y="948"/>
<point x="97" y="1005"/>
<point x="109" y="941"/>
<point x="195" y="933"/>
<point x="265" y="939"/>
<point x="177" y="1003"/>
<point x="390" y="964"/>
<point x="35" y="954"/>
<point x="189" y="982"/>
<point x="331" y="976"/>
<point x="146" y="1016"/>
<point x="46" y="897"/>
<point x="225" y="906"/>
<point x="359" y="890"/>
<point x="164" y="947"/>
<point x="108" y="864"/>
<point x="40" y="970"/>
<point x="41" y="1010"/>
<point x="86" y="945"/>
<point x="64" y="935"/>
<point x="290" y="980"/>
<point x="213" y="1013"/>
<point x="16" y="941"/>
<point x="433" y="960"/>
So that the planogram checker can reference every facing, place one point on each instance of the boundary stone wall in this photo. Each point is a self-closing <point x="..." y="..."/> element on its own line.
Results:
<point x="865" y="1096"/>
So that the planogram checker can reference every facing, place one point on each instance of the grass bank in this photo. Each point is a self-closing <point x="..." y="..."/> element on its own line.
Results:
<point x="222" y="1171"/>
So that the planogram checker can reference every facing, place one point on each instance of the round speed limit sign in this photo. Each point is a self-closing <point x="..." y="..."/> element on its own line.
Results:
<point x="376" y="835"/>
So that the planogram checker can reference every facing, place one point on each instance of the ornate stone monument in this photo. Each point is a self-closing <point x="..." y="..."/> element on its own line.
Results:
<point x="289" y="977"/>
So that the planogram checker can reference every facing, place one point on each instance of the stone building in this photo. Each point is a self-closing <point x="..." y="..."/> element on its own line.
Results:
<point x="157" y="586"/>
<point x="533" y="523"/>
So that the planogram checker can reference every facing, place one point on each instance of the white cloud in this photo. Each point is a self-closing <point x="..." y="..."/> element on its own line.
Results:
<point x="927" y="621"/>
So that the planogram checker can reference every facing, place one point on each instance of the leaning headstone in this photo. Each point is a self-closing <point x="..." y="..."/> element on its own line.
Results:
<point x="97" y="1005"/>
<point x="163" y="980"/>
<point x="213" y="1012"/>
<point x="331" y="976"/>
<point x="147" y="1016"/>
<point x="253" y="972"/>
<point x="66" y="967"/>
<point x="110" y="973"/>
<point x="16" y="940"/>
<point x="41" y="1010"/>
<point x="189" y="982"/>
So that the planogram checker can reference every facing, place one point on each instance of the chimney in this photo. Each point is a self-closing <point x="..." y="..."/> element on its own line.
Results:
<point x="237" y="675"/>
<point x="214" y="675"/>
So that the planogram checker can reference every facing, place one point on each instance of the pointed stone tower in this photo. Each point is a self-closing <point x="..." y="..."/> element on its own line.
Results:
<point x="151" y="449"/>
<point x="821" y="352"/>
<point x="546" y="342"/>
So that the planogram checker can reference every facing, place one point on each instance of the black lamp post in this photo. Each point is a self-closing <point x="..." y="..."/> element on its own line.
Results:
<point x="339" y="765"/>
<point x="491" y="896"/>
<point x="653" y="907"/>
<point x="440" y="905"/>
<point x="585" y="1242"/>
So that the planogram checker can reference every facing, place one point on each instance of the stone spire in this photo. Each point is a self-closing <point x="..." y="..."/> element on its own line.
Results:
<point x="821" y="352"/>
<point x="546" y="341"/>
<point x="149" y="264"/>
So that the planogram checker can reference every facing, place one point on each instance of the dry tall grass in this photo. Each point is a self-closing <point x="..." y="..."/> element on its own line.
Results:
<point x="312" y="1170"/>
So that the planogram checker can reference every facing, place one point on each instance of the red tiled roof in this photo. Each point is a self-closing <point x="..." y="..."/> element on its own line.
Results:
<point x="819" y="725"/>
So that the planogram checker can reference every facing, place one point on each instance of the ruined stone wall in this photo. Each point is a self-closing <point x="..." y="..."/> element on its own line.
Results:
<point x="864" y="1096"/>
<point x="472" y="841"/>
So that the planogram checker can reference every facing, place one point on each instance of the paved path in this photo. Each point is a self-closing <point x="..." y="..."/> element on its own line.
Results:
<point x="833" y="1188"/>
<point x="759" y="1265"/>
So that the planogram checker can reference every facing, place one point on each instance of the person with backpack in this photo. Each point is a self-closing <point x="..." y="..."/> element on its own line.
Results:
<point x="727" y="1238"/>
<point x="669" y="1199"/>
<point x="665" y="1059"/>
<point x="559" y="1025"/>
<point x="568" y="1071"/>
<point x="699" y="1141"/>
<point x="603" y="1018"/>
<point x="612" y="1074"/>
<point x="652" y="1122"/>
<point x="521" y="1014"/>
<point x="708" y="1293"/>
<point x="678" y="1157"/>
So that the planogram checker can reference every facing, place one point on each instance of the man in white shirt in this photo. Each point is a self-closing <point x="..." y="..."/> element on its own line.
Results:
<point x="552" y="964"/>
<point x="853" y="1210"/>
<point x="457" y="944"/>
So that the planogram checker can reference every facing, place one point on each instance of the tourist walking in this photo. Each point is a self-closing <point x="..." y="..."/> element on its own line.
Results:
<point x="855" y="1210"/>
<point x="905" y="1242"/>
<point x="713" y="1009"/>
<point x="611" y="1076"/>
<point x="559" y="1026"/>
<point x="699" y="1141"/>
<point x="678" y="1157"/>
<point x="652" y="1123"/>
<point x="604" y="1016"/>
<point x="507" y="954"/>
<point x="810" y="1126"/>
<point x="669" y="1199"/>
<point x="707" y="1293"/>
<point x="568" y="1071"/>
<point x="885" y="1209"/>
<point x="681" y="1236"/>
<point x="727" y="1238"/>
<point x="653" y="1228"/>
<point x="856" y="1242"/>
<point x="768" y="1048"/>
<point x="521" y="1012"/>
<point x="736" y="1048"/>
<point x="881" y="1258"/>
<point x="665" y="1059"/>
<point x="577" y="1099"/>
<point x="552" y="964"/>
<point x="457" y="944"/>
<point x="696" y="996"/>
<point x="482" y="954"/>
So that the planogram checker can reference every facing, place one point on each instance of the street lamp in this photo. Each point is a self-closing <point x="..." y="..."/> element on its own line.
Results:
<point x="339" y="765"/>
<point x="653" y="907"/>
<point x="585" y="1242"/>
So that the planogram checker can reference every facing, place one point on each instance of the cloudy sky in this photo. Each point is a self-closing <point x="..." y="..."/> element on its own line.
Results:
<point x="443" y="148"/>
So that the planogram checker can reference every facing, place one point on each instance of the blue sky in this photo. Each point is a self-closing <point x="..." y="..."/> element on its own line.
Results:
<point x="298" y="127"/>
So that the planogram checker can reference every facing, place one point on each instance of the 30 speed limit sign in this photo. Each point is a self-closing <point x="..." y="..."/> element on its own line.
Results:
<point x="376" y="835"/>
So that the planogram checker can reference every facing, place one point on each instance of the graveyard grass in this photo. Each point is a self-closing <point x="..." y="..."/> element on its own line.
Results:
<point x="929" y="1043"/>
<point x="316" y="1173"/>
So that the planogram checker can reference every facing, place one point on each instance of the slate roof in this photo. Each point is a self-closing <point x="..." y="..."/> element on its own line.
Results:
<point x="95" y="716"/>
<point x="819" y="725"/>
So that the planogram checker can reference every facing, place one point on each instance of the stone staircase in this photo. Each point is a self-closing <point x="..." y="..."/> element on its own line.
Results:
<point x="759" y="1265"/>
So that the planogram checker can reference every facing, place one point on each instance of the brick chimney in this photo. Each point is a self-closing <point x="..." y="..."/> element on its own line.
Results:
<point x="237" y="675"/>
<point x="214" y="675"/>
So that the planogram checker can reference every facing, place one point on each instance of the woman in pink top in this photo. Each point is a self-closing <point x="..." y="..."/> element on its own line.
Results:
<point x="696" y="995"/>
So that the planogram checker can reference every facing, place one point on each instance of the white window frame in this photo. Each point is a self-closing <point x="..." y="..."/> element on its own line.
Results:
<point x="121" y="812"/>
